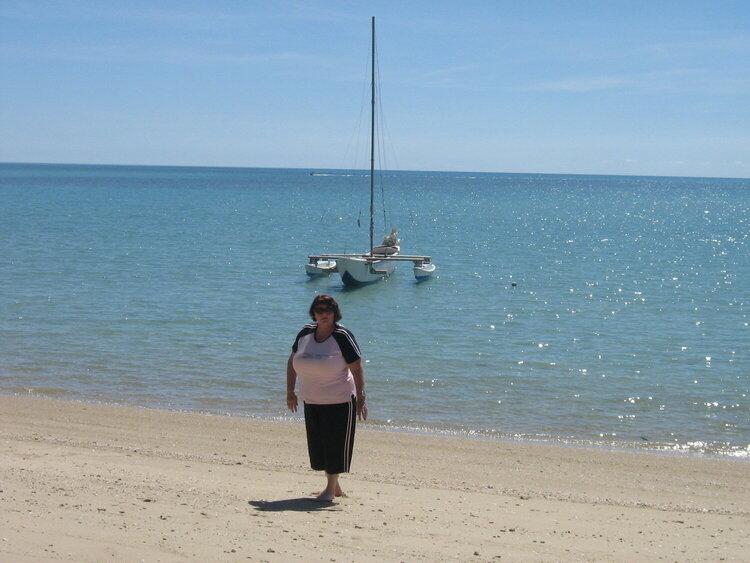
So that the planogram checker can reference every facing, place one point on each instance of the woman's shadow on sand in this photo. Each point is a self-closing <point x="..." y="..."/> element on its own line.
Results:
<point x="302" y="504"/>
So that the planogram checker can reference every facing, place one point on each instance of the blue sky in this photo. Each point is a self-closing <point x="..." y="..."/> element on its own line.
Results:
<point x="592" y="87"/>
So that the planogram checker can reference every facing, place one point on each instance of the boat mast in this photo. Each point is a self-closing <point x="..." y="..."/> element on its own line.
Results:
<point x="372" y="137"/>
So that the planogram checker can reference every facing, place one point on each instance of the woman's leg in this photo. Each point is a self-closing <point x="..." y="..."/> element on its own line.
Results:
<point x="333" y="437"/>
<point x="333" y="489"/>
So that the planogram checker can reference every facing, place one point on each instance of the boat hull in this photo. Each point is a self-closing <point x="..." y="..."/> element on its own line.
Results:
<point x="424" y="271"/>
<point x="360" y="271"/>
<point x="320" y="268"/>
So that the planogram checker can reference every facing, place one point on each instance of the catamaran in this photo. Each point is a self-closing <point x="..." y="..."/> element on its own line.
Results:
<point x="381" y="260"/>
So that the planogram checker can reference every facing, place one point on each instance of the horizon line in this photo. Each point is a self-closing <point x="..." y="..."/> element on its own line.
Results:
<point x="316" y="169"/>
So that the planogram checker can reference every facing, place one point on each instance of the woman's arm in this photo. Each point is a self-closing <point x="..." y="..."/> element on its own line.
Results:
<point x="358" y="372"/>
<point x="291" y="380"/>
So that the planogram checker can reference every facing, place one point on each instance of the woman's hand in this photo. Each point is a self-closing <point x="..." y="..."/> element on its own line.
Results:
<point x="291" y="380"/>
<point x="358" y="373"/>
<point x="361" y="408"/>
<point x="291" y="401"/>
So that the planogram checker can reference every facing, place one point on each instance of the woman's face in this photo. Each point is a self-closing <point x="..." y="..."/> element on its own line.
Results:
<point x="324" y="313"/>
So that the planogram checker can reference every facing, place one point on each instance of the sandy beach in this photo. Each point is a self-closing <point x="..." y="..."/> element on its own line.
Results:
<point x="86" y="482"/>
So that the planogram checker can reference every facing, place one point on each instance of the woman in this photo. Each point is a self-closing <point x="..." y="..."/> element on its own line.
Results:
<point x="326" y="358"/>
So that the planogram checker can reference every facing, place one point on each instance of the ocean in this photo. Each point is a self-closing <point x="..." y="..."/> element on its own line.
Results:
<point x="603" y="311"/>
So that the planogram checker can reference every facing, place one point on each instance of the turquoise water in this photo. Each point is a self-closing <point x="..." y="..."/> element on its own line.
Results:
<point x="601" y="310"/>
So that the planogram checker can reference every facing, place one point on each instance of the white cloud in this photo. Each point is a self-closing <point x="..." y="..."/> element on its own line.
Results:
<point x="446" y="76"/>
<point x="673" y="80"/>
<point x="125" y="52"/>
<point x="584" y="84"/>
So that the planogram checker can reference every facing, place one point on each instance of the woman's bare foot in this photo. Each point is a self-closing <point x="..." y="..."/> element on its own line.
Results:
<point x="325" y="494"/>
<point x="332" y="490"/>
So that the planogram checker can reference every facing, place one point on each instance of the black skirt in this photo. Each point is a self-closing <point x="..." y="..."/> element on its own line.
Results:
<point x="330" y="435"/>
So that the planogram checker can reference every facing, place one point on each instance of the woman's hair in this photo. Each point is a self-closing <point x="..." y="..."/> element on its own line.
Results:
<point x="324" y="300"/>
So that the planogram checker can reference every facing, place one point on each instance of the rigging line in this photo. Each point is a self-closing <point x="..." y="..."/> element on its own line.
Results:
<point x="382" y="192"/>
<point x="360" y="147"/>
<point x="383" y="139"/>
<point x="386" y="137"/>
<point x="372" y="136"/>
<point x="381" y="153"/>
<point x="353" y="145"/>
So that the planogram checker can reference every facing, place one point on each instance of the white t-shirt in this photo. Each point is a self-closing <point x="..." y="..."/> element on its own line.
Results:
<point x="323" y="367"/>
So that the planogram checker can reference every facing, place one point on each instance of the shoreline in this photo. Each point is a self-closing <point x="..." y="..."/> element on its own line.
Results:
<point x="454" y="431"/>
<point x="90" y="482"/>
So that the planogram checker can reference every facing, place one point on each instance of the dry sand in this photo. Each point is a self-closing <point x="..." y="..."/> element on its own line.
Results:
<point x="84" y="482"/>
